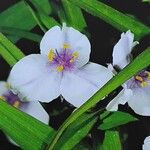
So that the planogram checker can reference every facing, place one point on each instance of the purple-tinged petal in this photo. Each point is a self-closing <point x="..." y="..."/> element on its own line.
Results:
<point x="36" y="110"/>
<point x="122" y="50"/>
<point x="35" y="79"/>
<point x="79" y="86"/>
<point x="121" y="98"/>
<point x="79" y="43"/>
<point x="53" y="39"/>
<point x="140" y="101"/>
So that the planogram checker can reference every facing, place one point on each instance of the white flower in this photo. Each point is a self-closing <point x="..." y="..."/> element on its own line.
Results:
<point x="34" y="109"/>
<point x="146" y="145"/>
<point x="62" y="68"/>
<point x="136" y="91"/>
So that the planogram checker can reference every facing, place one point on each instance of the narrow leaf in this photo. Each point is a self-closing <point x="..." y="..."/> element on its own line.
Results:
<point x="7" y="56"/>
<point x="111" y="141"/>
<point x="117" y="19"/>
<point x="25" y="130"/>
<point x="15" y="51"/>
<point x="20" y="33"/>
<point x="116" y="119"/>
<point x="18" y="16"/>
<point x="139" y="63"/>
<point x="74" y="15"/>
<point x="76" y="132"/>
<point x="43" y="20"/>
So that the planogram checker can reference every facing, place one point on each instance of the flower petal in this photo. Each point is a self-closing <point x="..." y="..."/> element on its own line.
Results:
<point x="53" y="39"/>
<point x="79" y="43"/>
<point x="122" y="50"/>
<point x="35" y="79"/>
<point x="36" y="110"/>
<point x="146" y="144"/>
<point x="3" y="88"/>
<point x="79" y="86"/>
<point x="140" y="101"/>
<point x="121" y="98"/>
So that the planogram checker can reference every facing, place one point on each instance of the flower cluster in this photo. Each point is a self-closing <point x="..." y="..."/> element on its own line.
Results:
<point x="63" y="69"/>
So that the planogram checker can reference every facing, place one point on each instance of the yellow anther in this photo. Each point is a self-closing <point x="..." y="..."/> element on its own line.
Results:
<point x="60" y="68"/>
<point x="74" y="56"/>
<point x="139" y="78"/>
<point x="148" y="75"/>
<point x="16" y="104"/>
<point x="7" y="85"/>
<point x="2" y="98"/>
<point x="144" y="84"/>
<point x="51" y="55"/>
<point x="66" y="46"/>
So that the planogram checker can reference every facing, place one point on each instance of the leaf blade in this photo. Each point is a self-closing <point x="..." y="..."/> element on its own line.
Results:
<point x="31" y="133"/>
<point x="139" y="63"/>
<point x="115" y="18"/>
<point x="118" y="118"/>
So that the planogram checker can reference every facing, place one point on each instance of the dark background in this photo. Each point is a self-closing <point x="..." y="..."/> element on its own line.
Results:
<point x="103" y="38"/>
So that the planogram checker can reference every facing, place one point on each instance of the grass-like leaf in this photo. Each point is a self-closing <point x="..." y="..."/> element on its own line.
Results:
<point x="43" y="20"/>
<point x="111" y="141"/>
<point x="142" y="61"/>
<point x="117" y="19"/>
<point x="116" y="119"/>
<point x="74" y="16"/>
<point x="11" y="48"/>
<point x="25" y="130"/>
<point x="7" y="56"/>
<point x="76" y="132"/>
<point x="18" y="16"/>
<point x="20" y="33"/>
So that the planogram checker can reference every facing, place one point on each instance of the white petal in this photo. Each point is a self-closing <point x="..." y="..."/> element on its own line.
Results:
<point x="79" y="86"/>
<point x="146" y="144"/>
<point x="36" y="110"/>
<point x="111" y="68"/>
<point x="35" y="79"/>
<point x="140" y="101"/>
<point x="79" y="43"/>
<point x="122" y="50"/>
<point x="53" y="39"/>
<point x="3" y="88"/>
<point x="121" y="98"/>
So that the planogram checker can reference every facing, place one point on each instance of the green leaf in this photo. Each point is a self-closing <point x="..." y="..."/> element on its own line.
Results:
<point x="20" y="33"/>
<point x="146" y="1"/>
<point x="76" y="132"/>
<point x="43" y="20"/>
<point x="11" y="48"/>
<point x="116" y="119"/>
<point x="117" y="19"/>
<point x="74" y="15"/>
<point x="139" y="63"/>
<point x="111" y="141"/>
<point x="7" y="56"/>
<point x="26" y="131"/>
<point x="18" y="16"/>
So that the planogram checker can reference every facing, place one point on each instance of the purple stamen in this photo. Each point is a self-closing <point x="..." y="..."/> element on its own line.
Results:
<point x="11" y="98"/>
<point x="135" y="82"/>
<point x="63" y="58"/>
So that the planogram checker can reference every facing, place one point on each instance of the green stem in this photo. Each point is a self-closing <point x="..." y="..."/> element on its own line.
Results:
<point x="141" y="62"/>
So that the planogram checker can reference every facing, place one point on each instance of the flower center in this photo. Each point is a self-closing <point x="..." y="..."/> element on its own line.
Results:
<point x="64" y="59"/>
<point x="11" y="99"/>
<point x="140" y="80"/>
